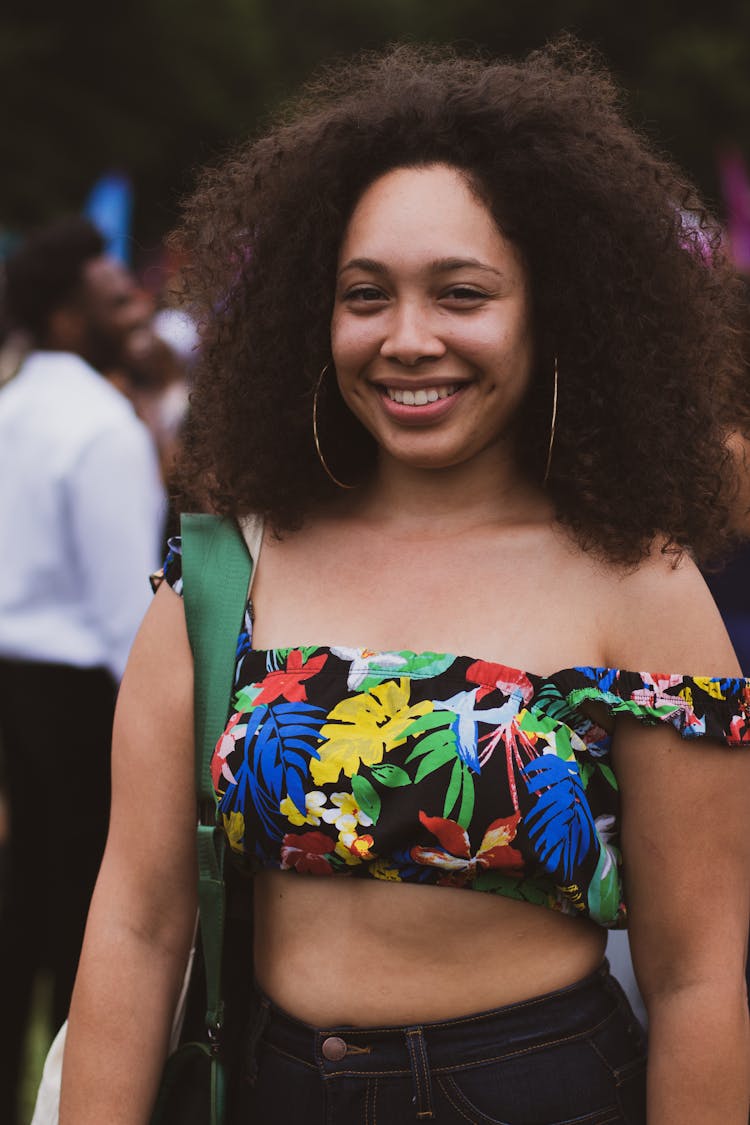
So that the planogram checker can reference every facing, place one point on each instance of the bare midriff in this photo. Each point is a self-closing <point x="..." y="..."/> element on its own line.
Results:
<point x="337" y="951"/>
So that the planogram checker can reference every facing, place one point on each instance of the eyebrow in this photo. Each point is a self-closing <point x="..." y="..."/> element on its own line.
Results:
<point x="439" y="265"/>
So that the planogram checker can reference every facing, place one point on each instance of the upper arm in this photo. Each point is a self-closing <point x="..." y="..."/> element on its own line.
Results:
<point x="149" y="864"/>
<point x="685" y="803"/>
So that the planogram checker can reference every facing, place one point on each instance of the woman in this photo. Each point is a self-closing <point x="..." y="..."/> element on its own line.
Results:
<point x="463" y="331"/>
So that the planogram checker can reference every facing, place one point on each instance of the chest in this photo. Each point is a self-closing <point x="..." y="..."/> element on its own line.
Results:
<point x="504" y="598"/>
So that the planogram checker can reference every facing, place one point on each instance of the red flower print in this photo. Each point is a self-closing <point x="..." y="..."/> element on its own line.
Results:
<point x="290" y="682"/>
<point x="306" y="853"/>
<point x="739" y="730"/>
<point x="490" y="676"/>
<point x="455" y="857"/>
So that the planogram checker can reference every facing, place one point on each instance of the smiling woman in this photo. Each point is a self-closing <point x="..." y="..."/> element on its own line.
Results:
<point x="450" y="308"/>
<point x="431" y="321"/>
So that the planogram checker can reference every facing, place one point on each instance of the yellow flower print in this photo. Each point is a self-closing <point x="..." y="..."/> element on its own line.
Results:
<point x="382" y="869"/>
<point x="353" y="848"/>
<point x="360" y="730"/>
<point x="234" y="826"/>
<point x="346" y="813"/>
<point x="687" y="695"/>
<point x="712" y="687"/>
<point x="314" y="802"/>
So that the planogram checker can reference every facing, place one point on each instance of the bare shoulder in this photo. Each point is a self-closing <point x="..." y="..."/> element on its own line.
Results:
<point x="161" y="650"/>
<point x="661" y="615"/>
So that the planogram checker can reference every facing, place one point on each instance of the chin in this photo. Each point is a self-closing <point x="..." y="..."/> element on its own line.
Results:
<point x="431" y="461"/>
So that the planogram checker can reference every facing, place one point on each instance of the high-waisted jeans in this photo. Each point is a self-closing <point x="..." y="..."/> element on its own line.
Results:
<point x="577" y="1055"/>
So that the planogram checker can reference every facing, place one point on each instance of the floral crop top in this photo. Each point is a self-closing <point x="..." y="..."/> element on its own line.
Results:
<point x="433" y="768"/>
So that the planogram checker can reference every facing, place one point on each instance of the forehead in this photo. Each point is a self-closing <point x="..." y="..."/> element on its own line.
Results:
<point x="432" y="210"/>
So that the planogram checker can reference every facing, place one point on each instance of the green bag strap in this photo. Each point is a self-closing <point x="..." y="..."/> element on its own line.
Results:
<point x="216" y="570"/>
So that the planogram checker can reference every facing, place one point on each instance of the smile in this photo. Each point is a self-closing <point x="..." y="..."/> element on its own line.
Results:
<point x="420" y="397"/>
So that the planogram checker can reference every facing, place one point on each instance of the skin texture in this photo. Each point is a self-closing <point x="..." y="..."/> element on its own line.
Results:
<point x="449" y="547"/>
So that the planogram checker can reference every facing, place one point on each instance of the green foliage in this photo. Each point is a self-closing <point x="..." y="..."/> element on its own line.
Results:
<point x="461" y="784"/>
<point x="158" y="88"/>
<point x="366" y="797"/>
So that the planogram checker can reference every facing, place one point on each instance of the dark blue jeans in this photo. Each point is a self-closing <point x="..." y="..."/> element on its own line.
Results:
<point x="573" y="1056"/>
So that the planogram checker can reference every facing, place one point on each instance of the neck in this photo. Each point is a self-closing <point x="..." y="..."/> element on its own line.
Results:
<point x="489" y="489"/>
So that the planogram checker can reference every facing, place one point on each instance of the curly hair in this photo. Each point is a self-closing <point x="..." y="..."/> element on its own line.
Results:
<point x="631" y="291"/>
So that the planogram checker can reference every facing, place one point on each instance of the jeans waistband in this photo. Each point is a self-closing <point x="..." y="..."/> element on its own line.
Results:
<point x="553" y="1017"/>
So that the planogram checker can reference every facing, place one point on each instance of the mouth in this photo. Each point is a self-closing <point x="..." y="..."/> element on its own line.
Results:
<point x="405" y="396"/>
<point x="423" y="405"/>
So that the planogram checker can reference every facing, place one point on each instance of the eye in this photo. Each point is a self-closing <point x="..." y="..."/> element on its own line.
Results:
<point x="464" y="295"/>
<point x="364" y="294"/>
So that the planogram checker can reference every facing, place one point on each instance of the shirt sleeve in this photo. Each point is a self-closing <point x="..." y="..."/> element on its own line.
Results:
<point x="117" y="510"/>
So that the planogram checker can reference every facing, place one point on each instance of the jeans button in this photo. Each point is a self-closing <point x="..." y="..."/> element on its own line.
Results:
<point x="333" y="1048"/>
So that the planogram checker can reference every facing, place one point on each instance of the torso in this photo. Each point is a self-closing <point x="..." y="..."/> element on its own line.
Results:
<point x="335" y="951"/>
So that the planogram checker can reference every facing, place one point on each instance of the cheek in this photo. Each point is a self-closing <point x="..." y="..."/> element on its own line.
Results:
<point x="354" y="340"/>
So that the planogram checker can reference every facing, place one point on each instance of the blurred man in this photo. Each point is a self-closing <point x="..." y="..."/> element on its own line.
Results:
<point x="81" y="509"/>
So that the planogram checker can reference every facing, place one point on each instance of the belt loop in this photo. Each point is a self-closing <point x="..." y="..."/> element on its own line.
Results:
<point x="420" y="1072"/>
<point x="255" y="1034"/>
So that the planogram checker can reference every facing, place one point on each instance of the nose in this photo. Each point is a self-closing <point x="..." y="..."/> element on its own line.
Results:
<point x="412" y="335"/>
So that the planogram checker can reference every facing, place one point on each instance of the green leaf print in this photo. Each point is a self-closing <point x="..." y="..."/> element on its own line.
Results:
<point x="431" y="721"/>
<point x="586" y="771"/>
<point x="434" y="741"/>
<point x="552" y="702"/>
<point x="391" y="776"/>
<point x="367" y="798"/>
<point x="604" y="890"/>
<point x="461" y="787"/>
<point x="427" y="664"/>
<point x="466" y="811"/>
<point x="555" y="733"/>
<point x="454" y="788"/>
<point x="434" y="760"/>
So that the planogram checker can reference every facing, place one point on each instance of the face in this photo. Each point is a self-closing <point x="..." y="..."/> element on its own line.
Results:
<point x="112" y="308"/>
<point x="431" y="334"/>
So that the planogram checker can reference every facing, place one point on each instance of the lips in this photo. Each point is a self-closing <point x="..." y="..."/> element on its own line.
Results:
<point x="420" y="405"/>
<point x="406" y="396"/>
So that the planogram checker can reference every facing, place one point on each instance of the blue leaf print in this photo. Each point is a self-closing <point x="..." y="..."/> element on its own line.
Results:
<point x="280" y="740"/>
<point x="243" y="644"/>
<point x="602" y="677"/>
<point x="560" y="825"/>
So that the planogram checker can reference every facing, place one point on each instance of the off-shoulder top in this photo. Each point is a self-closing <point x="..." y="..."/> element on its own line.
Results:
<point x="426" y="767"/>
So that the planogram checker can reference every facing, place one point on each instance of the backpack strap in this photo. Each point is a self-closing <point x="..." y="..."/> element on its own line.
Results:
<point x="217" y="570"/>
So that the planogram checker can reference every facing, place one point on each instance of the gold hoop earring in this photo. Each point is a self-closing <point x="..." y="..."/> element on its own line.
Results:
<point x="552" y="430"/>
<point x="319" y="451"/>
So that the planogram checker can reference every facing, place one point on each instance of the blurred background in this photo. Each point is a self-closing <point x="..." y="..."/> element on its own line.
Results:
<point x="152" y="89"/>
<point x="109" y="111"/>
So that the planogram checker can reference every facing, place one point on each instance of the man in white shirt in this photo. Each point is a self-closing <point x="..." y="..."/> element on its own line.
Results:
<point x="81" y="519"/>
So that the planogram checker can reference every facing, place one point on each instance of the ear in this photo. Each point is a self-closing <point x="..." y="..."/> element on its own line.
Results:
<point x="66" y="329"/>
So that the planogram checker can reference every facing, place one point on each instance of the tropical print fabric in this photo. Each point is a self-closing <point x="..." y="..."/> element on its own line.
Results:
<point x="434" y="768"/>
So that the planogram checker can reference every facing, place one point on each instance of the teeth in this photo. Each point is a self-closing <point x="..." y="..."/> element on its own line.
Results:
<point x="420" y="397"/>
